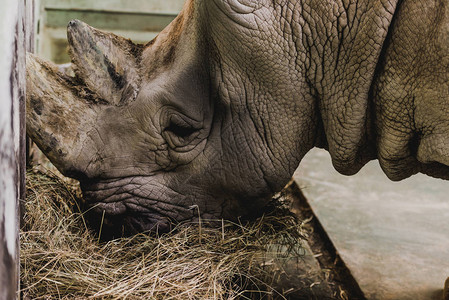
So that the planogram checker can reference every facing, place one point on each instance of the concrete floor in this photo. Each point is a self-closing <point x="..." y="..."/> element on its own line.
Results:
<point x="393" y="236"/>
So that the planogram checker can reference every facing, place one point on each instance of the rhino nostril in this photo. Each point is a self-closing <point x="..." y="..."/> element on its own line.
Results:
<point x="77" y="174"/>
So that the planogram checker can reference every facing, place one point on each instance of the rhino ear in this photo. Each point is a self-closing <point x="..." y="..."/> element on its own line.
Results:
<point x="108" y="64"/>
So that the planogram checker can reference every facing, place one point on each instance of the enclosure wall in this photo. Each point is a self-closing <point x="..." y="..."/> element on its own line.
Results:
<point x="16" y="21"/>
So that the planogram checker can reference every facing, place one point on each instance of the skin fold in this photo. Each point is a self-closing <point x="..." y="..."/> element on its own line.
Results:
<point x="214" y="115"/>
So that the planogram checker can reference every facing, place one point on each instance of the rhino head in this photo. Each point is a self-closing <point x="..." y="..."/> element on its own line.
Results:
<point x="214" y="115"/>
<point x="146" y="132"/>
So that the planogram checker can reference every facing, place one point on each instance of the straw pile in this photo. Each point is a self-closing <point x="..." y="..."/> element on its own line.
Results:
<point x="62" y="259"/>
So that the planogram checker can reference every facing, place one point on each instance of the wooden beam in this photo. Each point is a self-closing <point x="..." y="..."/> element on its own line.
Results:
<point x="110" y="20"/>
<point x="166" y="7"/>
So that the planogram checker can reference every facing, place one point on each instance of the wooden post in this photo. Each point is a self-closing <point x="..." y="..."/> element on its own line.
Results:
<point x="13" y="42"/>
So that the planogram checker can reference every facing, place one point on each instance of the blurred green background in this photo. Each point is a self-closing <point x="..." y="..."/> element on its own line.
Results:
<point x="139" y="20"/>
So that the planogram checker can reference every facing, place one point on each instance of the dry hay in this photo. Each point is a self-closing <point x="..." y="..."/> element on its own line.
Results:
<point x="62" y="259"/>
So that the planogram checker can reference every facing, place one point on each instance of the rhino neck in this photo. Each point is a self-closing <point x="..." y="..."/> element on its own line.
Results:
<point x="344" y="51"/>
<point x="314" y="87"/>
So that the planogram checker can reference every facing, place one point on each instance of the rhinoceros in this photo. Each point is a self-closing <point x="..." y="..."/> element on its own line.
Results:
<point x="213" y="116"/>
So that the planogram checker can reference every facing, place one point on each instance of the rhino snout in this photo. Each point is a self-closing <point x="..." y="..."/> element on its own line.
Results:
<point x="134" y="204"/>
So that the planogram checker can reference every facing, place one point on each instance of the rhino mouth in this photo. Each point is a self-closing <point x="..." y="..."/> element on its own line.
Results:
<point x="123" y="207"/>
<point x="109" y="227"/>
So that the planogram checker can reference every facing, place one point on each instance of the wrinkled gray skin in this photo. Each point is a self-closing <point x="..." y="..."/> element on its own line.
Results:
<point x="214" y="115"/>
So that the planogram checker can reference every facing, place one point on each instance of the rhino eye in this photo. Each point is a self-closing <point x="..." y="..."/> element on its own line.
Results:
<point x="181" y="130"/>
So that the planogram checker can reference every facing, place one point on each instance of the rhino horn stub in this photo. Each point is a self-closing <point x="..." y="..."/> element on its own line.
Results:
<point x="108" y="64"/>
